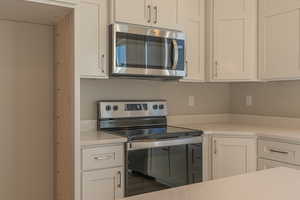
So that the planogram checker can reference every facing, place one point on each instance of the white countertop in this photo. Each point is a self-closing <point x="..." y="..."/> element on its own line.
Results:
<point x="228" y="129"/>
<point x="234" y="129"/>
<point x="273" y="184"/>
<point x="99" y="138"/>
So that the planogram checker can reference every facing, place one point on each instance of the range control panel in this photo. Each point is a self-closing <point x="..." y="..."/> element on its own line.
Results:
<point x="131" y="109"/>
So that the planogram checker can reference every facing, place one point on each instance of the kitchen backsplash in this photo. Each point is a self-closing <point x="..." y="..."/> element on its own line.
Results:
<point x="269" y="99"/>
<point x="209" y="98"/>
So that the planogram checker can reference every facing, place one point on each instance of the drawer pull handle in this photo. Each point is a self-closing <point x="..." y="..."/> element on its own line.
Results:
<point x="276" y="151"/>
<point x="120" y="179"/>
<point x="103" y="157"/>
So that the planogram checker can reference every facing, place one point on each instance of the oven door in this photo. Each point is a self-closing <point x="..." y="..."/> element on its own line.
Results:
<point x="158" y="168"/>
<point x="139" y="51"/>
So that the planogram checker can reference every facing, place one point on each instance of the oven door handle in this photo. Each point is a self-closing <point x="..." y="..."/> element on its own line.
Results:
<point x="148" y="144"/>
<point x="175" y="54"/>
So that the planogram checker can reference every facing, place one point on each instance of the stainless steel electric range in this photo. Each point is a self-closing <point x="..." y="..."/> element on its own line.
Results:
<point x="158" y="156"/>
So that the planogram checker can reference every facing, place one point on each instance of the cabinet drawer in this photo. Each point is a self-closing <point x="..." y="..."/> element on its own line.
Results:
<point x="284" y="152"/>
<point x="268" y="164"/>
<point x="102" y="157"/>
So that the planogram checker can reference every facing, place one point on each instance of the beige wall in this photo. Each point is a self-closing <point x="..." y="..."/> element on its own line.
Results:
<point x="273" y="98"/>
<point x="26" y="55"/>
<point x="270" y="99"/>
<point x="209" y="98"/>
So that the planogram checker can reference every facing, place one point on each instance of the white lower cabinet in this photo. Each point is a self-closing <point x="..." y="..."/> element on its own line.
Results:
<point x="279" y="151"/>
<point x="268" y="164"/>
<point x="274" y="153"/>
<point x="107" y="184"/>
<point x="233" y="156"/>
<point x="102" y="172"/>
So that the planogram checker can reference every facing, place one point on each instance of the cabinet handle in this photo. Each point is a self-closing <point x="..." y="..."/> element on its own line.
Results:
<point x="119" y="179"/>
<point x="187" y="68"/>
<point x="102" y="63"/>
<point x="216" y="69"/>
<point x="156" y="14"/>
<point x="280" y="152"/>
<point x="149" y="13"/>
<point x="175" y="54"/>
<point x="215" y="147"/>
<point x="107" y="157"/>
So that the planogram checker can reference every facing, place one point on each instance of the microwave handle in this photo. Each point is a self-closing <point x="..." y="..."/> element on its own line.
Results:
<point x="175" y="54"/>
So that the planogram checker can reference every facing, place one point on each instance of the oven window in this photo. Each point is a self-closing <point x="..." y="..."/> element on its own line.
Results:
<point x="155" y="169"/>
<point x="139" y="175"/>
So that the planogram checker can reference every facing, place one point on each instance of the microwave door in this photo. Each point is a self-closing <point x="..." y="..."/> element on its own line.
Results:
<point x="159" y="52"/>
<point x="130" y="51"/>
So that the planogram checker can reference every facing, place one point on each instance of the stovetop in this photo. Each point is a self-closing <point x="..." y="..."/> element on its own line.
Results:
<point x="161" y="132"/>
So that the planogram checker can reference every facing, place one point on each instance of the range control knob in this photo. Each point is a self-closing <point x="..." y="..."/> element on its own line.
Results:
<point x="108" y="108"/>
<point x="161" y="106"/>
<point x="155" y="107"/>
<point x="115" y="108"/>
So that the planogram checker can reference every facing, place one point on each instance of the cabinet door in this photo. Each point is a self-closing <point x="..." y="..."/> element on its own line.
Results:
<point x="165" y="13"/>
<point x="63" y="3"/>
<point x="192" y="20"/>
<point x="234" y="40"/>
<point x="279" y="39"/>
<point x="268" y="164"/>
<point x="233" y="156"/>
<point x="103" y="184"/>
<point x="92" y="30"/>
<point x="133" y="11"/>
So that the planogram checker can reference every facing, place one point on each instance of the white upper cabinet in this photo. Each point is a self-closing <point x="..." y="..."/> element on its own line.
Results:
<point x="64" y="3"/>
<point x="192" y="20"/>
<point x="233" y="42"/>
<point x="92" y="38"/>
<point x="165" y="13"/>
<point x="156" y="13"/>
<point x="279" y="39"/>
<point x="233" y="156"/>
<point x="133" y="11"/>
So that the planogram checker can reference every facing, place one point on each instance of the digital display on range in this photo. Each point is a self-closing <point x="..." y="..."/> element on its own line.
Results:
<point x="136" y="107"/>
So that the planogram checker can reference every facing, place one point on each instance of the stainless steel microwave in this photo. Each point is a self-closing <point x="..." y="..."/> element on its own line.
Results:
<point x="138" y="51"/>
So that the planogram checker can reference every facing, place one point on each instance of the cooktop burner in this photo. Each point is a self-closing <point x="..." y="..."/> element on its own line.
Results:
<point x="164" y="132"/>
